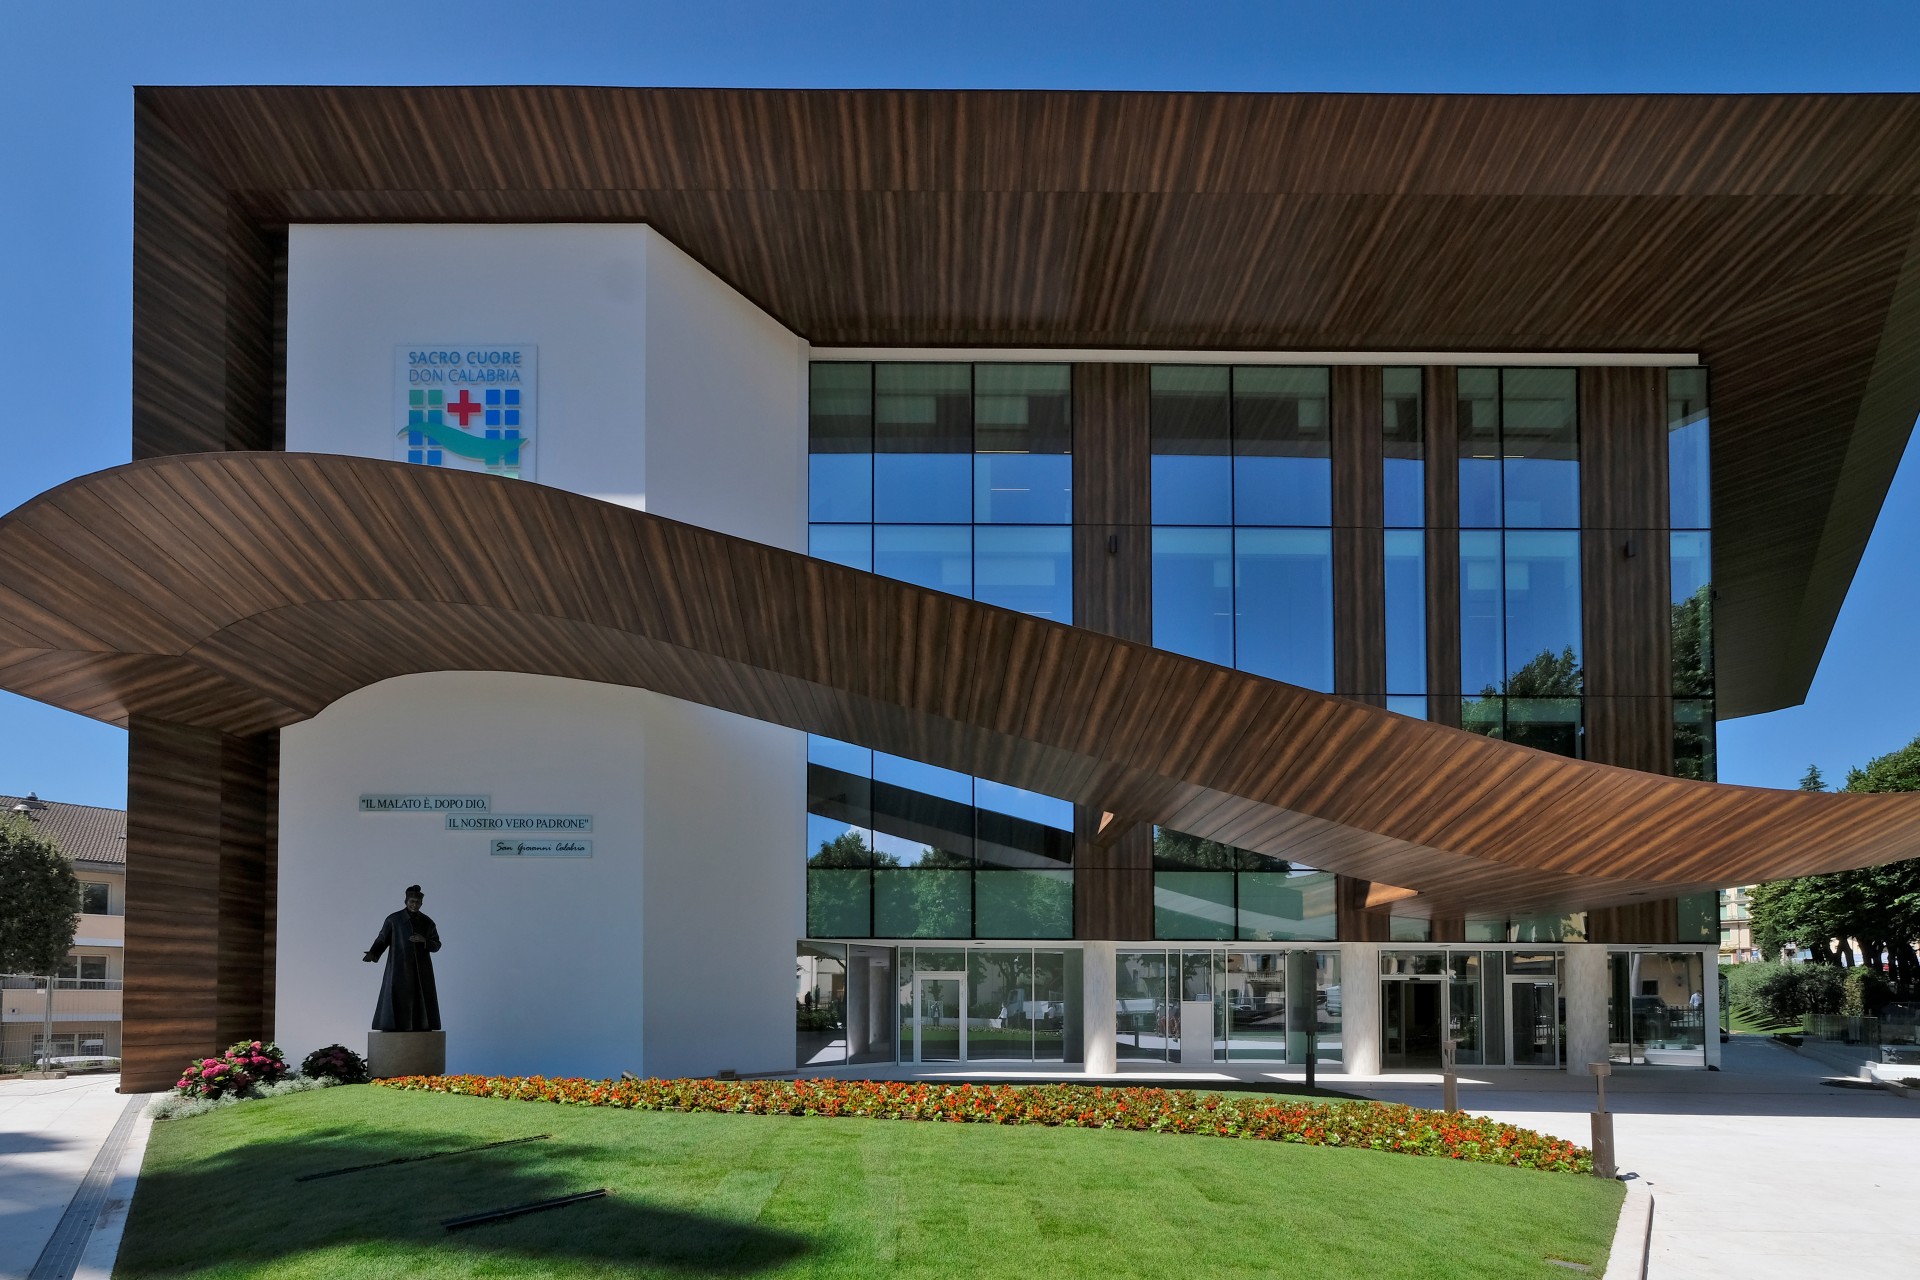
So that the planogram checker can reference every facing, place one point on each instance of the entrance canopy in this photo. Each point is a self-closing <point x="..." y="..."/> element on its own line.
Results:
<point x="244" y="592"/>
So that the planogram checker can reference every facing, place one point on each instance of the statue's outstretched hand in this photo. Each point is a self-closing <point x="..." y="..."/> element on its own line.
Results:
<point x="368" y="958"/>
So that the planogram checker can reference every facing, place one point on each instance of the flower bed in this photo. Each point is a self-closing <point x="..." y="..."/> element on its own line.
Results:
<point x="1376" y="1126"/>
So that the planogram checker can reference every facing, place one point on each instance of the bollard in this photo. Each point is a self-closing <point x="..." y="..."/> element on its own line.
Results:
<point x="1603" y="1161"/>
<point x="1449" y="1078"/>
<point x="1309" y="1068"/>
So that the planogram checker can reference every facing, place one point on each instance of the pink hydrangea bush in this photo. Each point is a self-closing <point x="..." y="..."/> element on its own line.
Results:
<point x="245" y="1065"/>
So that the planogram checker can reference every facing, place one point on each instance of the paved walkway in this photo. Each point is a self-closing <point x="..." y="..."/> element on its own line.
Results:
<point x="1757" y="1170"/>
<point x="51" y="1131"/>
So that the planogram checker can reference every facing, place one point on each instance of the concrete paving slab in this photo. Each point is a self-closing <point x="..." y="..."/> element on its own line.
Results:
<point x="50" y="1131"/>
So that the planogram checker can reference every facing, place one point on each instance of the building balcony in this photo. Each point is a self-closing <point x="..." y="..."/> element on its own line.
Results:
<point x="101" y="931"/>
<point x="24" y="999"/>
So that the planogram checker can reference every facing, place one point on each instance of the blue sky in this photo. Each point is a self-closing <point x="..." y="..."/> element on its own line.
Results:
<point x="66" y="70"/>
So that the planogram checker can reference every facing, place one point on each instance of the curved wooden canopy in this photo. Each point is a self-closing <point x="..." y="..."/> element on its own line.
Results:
<point x="242" y="592"/>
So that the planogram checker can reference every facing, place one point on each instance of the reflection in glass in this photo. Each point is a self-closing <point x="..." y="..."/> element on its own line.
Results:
<point x="1463" y="1006"/>
<point x="1542" y="579"/>
<point x="1283" y="601"/>
<point x="999" y="993"/>
<point x="1193" y="593"/>
<point x="1256" y="998"/>
<point x="1479" y="427"/>
<point x="1692" y="596"/>
<point x="1406" y="611"/>
<point x="1403" y="442"/>
<point x="938" y="1018"/>
<point x="1143" y="1021"/>
<point x="1409" y="929"/>
<point x="847" y="544"/>
<point x="923" y="440"/>
<point x="1023" y="904"/>
<point x="1285" y="906"/>
<point x="1054" y="1005"/>
<point x="819" y="1011"/>
<point x="1483" y="643"/>
<point x="840" y="442"/>
<point x="1192" y="445"/>
<point x="1656" y="1008"/>
<point x="1547" y="724"/>
<point x="1193" y="904"/>
<point x="1540" y="443"/>
<point x="1022" y="441"/>
<point x="1414" y="706"/>
<point x="939" y="557"/>
<point x="918" y="902"/>
<point x="1533" y="1023"/>
<point x="1689" y="489"/>
<point x="1282" y="468"/>
<point x="1029" y="569"/>
<point x="1694" y="755"/>
<point x="869" y="1004"/>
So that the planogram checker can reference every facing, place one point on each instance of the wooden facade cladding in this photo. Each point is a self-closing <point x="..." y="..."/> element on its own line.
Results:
<point x="269" y="574"/>
<point x="201" y="840"/>
<point x="1359" y="546"/>
<point x="1112" y="594"/>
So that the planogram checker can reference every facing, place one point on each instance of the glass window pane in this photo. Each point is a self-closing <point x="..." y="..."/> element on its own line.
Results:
<point x="999" y="982"/>
<point x="1485" y="715"/>
<point x="1283" y="473"/>
<point x="1549" y="724"/>
<point x="1688" y="478"/>
<point x="1022" y="408"/>
<point x="838" y="903"/>
<point x="1046" y="810"/>
<point x="1256" y="998"/>
<point x="1483" y="633"/>
<point x="820" y="1029"/>
<point x="840" y="442"/>
<point x="1283" y="605"/>
<point x="1409" y="929"/>
<point x="1479" y="427"/>
<point x="1693" y="740"/>
<point x="1542" y="577"/>
<point x="1023" y="488"/>
<point x="1140" y="998"/>
<point x="1539" y="441"/>
<point x="1290" y="906"/>
<point x="920" y="903"/>
<point x="1327" y="1043"/>
<point x="847" y="544"/>
<point x="1023" y="904"/>
<point x="939" y="557"/>
<point x="1193" y="593"/>
<point x="1021" y="829"/>
<point x="922" y="816"/>
<point x="923" y="438"/>
<point x="1406" y="610"/>
<point x="1054" y="1005"/>
<point x="1192" y="445"/>
<point x="1403" y="448"/>
<point x="1692" y="586"/>
<point x="1178" y="851"/>
<point x="1193" y="904"/>
<point x="1029" y="569"/>
<point x="1414" y="706"/>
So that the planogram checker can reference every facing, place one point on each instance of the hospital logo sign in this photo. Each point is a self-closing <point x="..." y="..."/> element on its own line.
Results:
<point x="466" y="407"/>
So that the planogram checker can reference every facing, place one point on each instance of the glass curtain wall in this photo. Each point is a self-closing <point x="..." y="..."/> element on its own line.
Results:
<point x="1403" y="483"/>
<point x="1207" y="891"/>
<point x="1520" y="636"/>
<point x="1242" y="511"/>
<point x="982" y="1004"/>
<point x="1267" y="1006"/>
<point x="1690" y="513"/>
<point x="957" y="478"/>
<point x="1656" y="1007"/>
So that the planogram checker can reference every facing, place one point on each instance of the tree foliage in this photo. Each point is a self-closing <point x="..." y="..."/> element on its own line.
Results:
<point x="1877" y="907"/>
<point x="39" y="901"/>
<point x="1780" y="993"/>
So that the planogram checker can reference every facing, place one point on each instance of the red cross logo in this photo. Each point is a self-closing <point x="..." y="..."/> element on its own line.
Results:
<point x="465" y="407"/>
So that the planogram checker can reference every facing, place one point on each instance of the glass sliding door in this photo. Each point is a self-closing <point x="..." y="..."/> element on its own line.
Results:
<point x="1534" y="1022"/>
<point x="939" y="1030"/>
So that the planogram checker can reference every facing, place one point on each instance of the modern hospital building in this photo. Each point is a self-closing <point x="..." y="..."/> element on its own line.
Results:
<point x="816" y="578"/>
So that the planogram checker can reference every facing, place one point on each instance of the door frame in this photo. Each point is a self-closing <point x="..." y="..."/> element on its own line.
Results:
<point x="959" y="978"/>
<point x="1559" y="1049"/>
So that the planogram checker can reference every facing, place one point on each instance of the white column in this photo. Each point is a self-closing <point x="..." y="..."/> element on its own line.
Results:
<point x="1360" y="1008"/>
<point x="1710" y="1001"/>
<point x="1585" y="975"/>
<point x="1097" y="1012"/>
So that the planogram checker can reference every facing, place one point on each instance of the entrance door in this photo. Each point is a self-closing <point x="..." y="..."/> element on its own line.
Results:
<point x="1410" y="1024"/>
<point x="939" y="1022"/>
<point x="1533" y="1006"/>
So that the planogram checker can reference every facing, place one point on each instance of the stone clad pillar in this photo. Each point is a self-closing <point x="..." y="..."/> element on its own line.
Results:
<point x="1097" y="978"/>
<point x="1586" y="996"/>
<point x="1360" y="1008"/>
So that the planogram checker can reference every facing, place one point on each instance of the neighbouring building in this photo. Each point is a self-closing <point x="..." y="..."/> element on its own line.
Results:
<point x="86" y="991"/>
<point x="1736" y="926"/>
<point x="843" y="577"/>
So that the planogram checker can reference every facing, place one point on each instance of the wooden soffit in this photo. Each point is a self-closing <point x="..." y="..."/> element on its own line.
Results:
<point x="1773" y="235"/>
<point x="245" y="591"/>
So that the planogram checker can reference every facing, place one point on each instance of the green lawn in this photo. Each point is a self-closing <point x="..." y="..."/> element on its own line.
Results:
<point x="721" y="1195"/>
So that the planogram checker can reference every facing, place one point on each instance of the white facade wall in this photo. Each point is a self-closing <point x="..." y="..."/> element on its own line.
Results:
<point x="671" y="950"/>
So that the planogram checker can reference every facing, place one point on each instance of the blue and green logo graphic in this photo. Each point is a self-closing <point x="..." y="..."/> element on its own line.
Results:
<point x="467" y="407"/>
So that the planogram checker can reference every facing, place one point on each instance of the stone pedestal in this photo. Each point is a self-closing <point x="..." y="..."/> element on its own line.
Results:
<point x="406" y="1053"/>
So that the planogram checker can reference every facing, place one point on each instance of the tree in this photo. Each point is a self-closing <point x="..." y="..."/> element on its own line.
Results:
<point x="39" y="901"/>
<point x="1693" y="644"/>
<point x="1878" y="907"/>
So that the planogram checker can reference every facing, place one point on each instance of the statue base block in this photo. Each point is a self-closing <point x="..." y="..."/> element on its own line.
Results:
<point x="406" y="1053"/>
